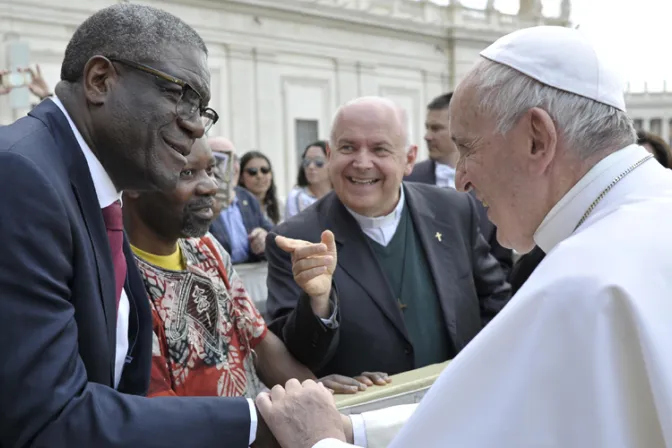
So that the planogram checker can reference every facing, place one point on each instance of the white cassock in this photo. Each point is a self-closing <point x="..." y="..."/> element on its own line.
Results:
<point x="581" y="357"/>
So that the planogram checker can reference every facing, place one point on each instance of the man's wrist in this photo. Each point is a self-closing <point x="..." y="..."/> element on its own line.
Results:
<point x="347" y="429"/>
<point x="321" y="305"/>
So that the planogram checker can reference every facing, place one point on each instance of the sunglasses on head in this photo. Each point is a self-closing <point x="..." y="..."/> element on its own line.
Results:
<point x="255" y="171"/>
<point x="319" y="163"/>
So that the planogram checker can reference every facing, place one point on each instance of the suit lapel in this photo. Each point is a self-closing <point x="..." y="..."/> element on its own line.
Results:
<point x="358" y="260"/>
<point x="85" y="194"/>
<point x="438" y="238"/>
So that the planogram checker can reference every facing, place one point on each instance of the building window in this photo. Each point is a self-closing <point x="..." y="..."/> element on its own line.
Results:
<point x="638" y="123"/>
<point x="306" y="132"/>
<point x="657" y="127"/>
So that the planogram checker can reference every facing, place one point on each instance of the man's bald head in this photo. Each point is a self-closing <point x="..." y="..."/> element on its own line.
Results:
<point x="226" y="186"/>
<point x="376" y="110"/>
<point x="221" y="144"/>
<point x="369" y="155"/>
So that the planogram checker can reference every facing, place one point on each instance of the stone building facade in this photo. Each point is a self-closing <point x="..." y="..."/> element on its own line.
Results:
<point x="280" y="68"/>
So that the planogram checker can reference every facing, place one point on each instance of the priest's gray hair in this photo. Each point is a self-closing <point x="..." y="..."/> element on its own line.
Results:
<point x="588" y="127"/>
<point x="402" y="117"/>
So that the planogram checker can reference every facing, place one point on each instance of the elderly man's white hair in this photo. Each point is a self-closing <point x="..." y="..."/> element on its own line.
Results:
<point x="400" y="112"/>
<point x="589" y="127"/>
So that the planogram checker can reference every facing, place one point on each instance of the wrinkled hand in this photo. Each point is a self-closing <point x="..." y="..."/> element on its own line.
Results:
<point x="340" y="384"/>
<point x="38" y="86"/>
<point x="257" y="238"/>
<point x="3" y="89"/>
<point x="313" y="266"/>
<point x="300" y="415"/>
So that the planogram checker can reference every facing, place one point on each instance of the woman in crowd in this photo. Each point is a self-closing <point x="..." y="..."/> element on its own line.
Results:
<point x="256" y="175"/>
<point x="312" y="181"/>
<point x="656" y="146"/>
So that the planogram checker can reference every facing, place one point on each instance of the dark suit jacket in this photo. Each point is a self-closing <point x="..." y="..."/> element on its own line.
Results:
<point x="253" y="217"/>
<point x="372" y="336"/>
<point x="58" y="313"/>
<point x="524" y="267"/>
<point x="424" y="172"/>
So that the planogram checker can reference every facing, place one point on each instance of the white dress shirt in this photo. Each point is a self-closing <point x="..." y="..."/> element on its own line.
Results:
<point x="107" y="194"/>
<point x="445" y="175"/>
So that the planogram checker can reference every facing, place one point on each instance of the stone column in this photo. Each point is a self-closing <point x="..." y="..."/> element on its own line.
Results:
<point x="242" y="94"/>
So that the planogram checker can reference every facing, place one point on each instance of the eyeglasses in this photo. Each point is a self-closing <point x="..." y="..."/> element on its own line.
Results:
<point x="255" y="171"/>
<point x="190" y="104"/>
<point x="319" y="163"/>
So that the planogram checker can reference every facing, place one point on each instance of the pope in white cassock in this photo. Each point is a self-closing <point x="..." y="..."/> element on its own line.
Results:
<point x="582" y="355"/>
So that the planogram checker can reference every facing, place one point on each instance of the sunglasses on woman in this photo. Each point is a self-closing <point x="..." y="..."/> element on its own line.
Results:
<point x="319" y="163"/>
<point x="255" y="171"/>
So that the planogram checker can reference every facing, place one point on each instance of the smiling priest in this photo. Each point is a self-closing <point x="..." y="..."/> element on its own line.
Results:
<point x="582" y="355"/>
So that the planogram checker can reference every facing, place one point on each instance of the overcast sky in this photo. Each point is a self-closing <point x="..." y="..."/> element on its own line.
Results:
<point x="634" y="33"/>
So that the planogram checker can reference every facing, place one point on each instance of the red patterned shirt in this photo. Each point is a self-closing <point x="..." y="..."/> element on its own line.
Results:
<point x="205" y="325"/>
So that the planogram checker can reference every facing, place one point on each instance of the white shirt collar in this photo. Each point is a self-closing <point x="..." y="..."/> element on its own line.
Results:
<point x="105" y="190"/>
<point x="366" y="222"/>
<point x="445" y="175"/>
<point x="560" y="222"/>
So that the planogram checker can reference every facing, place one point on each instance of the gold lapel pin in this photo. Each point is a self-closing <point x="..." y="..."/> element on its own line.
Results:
<point x="438" y="236"/>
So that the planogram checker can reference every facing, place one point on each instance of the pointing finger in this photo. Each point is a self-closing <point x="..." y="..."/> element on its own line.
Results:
<point x="289" y="244"/>
<point x="311" y="250"/>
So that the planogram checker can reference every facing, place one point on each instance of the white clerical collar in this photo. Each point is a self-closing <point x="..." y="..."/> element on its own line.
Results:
<point x="105" y="190"/>
<point x="560" y="222"/>
<point x="391" y="219"/>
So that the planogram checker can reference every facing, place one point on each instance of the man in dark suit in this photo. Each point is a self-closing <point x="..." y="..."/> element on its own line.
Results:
<point x="402" y="277"/>
<point x="241" y="226"/>
<point x="75" y="322"/>
<point x="439" y="170"/>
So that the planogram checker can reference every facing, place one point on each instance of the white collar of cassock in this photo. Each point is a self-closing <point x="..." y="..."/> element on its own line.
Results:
<point x="381" y="228"/>
<point x="560" y="222"/>
<point x="367" y="222"/>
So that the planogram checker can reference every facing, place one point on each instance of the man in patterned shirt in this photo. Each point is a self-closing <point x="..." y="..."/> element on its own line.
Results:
<point x="209" y="339"/>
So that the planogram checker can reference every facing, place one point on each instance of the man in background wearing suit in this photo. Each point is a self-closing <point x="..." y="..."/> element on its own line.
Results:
<point x="240" y="226"/>
<point x="439" y="170"/>
<point x="414" y="281"/>
<point x="75" y="322"/>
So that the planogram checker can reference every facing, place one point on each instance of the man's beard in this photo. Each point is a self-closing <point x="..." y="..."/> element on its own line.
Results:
<point x="193" y="227"/>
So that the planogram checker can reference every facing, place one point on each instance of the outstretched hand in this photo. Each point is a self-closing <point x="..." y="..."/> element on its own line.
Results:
<point x="313" y="266"/>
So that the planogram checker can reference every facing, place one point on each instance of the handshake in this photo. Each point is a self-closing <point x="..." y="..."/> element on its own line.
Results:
<point x="299" y="416"/>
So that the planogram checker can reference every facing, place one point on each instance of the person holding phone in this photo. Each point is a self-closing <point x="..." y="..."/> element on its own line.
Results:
<point x="23" y="77"/>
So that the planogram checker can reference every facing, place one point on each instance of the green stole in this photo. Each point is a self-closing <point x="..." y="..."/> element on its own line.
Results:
<point x="408" y="274"/>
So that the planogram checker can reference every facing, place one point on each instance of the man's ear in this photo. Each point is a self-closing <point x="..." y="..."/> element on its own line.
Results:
<point x="544" y="138"/>
<point x="327" y="150"/>
<point x="99" y="75"/>
<point x="411" y="156"/>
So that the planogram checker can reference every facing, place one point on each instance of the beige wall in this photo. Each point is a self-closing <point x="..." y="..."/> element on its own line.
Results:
<point x="275" y="62"/>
